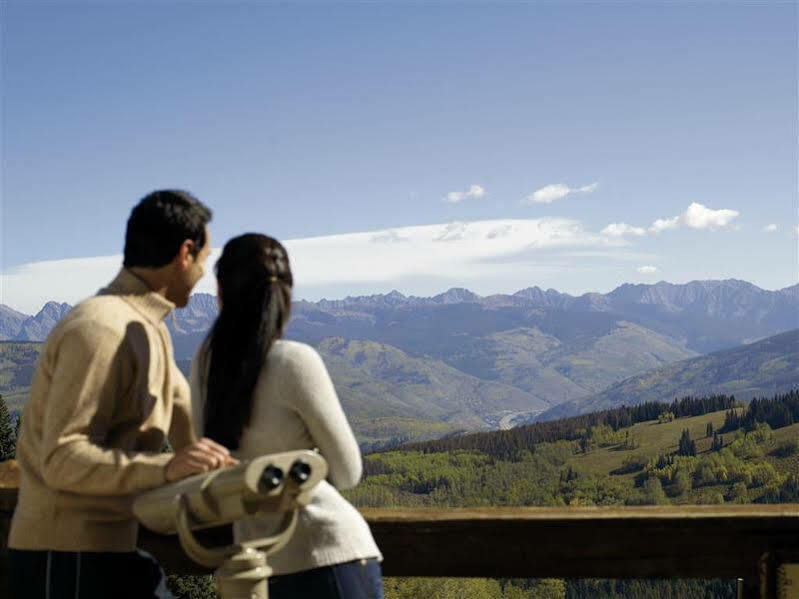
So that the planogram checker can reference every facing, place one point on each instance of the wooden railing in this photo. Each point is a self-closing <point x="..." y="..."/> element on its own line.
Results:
<point x="736" y="541"/>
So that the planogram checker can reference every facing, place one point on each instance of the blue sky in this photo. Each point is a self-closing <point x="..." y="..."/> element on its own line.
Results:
<point x="339" y="127"/>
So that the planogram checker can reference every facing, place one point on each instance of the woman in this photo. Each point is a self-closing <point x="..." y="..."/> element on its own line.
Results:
<point x="257" y="394"/>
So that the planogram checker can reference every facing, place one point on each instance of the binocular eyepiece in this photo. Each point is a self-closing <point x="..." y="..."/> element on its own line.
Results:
<point x="272" y="476"/>
<point x="270" y="483"/>
<point x="300" y="471"/>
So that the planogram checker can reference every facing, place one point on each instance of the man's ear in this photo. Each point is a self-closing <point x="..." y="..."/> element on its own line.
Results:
<point x="185" y="256"/>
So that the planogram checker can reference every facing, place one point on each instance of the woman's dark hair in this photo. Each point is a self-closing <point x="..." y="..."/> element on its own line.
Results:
<point x="160" y="223"/>
<point x="255" y="286"/>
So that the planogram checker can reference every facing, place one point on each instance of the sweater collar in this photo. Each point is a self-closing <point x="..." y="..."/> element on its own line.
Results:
<point x="152" y="305"/>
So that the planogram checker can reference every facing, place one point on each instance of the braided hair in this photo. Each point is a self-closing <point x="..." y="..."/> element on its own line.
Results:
<point x="255" y="284"/>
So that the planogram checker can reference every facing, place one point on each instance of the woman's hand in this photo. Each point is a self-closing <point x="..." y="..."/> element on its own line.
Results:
<point x="201" y="456"/>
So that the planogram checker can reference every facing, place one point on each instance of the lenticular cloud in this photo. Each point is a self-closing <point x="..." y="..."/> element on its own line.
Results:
<point x="490" y="254"/>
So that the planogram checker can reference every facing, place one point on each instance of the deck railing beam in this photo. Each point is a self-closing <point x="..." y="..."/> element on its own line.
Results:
<point x="621" y="542"/>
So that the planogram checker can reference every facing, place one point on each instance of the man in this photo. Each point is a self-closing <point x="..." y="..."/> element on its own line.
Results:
<point x="105" y="395"/>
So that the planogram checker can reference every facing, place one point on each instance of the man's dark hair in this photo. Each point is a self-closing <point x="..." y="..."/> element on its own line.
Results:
<point x="160" y="223"/>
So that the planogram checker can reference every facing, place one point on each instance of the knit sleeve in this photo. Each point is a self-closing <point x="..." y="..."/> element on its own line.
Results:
<point x="90" y="375"/>
<point x="310" y="392"/>
<point x="181" y="429"/>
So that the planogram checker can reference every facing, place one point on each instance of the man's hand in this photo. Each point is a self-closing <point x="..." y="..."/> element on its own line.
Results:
<point x="202" y="456"/>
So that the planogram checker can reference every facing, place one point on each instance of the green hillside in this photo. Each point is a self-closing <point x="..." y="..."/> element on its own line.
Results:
<point x="553" y="354"/>
<point x="619" y="468"/>
<point x="582" y="365"/>
<point x="390" y="394"/>
<point x="762" y="368"/>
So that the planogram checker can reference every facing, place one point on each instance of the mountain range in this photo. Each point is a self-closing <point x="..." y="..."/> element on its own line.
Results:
<point x="17" y="326"/>
<point x="409" y="366"/>
<point x="672" y="308"/>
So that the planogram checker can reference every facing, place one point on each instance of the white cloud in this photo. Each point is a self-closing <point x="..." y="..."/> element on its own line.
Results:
<point x="647" y="270"/>
<point x="475" y="191"/>
<point x="664" y="224"/>
<point x="454" y="197"/>
<point x="548" y="194"/>
<point x="770" y="228"/>
<point x="501" y="231"/>
<point x="452" y="232"/>
<point x="482" y="255"/>
<point x="556" y="191"/>
<point x="697" y="216"/>
<point x="621" y="229"/>
<point x="388" y="236"/>
<point x="27" y="287"/>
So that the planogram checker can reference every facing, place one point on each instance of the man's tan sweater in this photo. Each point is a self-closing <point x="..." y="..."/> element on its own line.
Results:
<point x="105" y="395"/>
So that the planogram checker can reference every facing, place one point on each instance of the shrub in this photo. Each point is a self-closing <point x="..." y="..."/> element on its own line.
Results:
<point x="192" y="587"/>
<point x="653" y="493"/>
<point x="762" y="433"/>
<point x="763" y="474"/>
<point x="681" y="483"/>
<point x="738" y="493"/>
<point x="787" y="449"/>
<point x="633" y="463"/>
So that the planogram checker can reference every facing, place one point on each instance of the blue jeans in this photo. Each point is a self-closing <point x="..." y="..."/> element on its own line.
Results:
<point x="360" y="579"/>
<point x="85" y="575"/>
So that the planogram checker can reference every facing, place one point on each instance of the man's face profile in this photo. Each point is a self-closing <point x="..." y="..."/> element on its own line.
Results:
<point x="191" y="268"/>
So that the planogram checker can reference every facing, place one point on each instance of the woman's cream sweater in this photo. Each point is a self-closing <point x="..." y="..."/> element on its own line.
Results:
<point x="296" y="407"/>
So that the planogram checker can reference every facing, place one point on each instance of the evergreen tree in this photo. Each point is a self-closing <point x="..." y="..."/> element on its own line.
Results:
<point x="687" y="447"/>
<point x="8" y="439"/>
<point x="732" y="421"/>
<point x="709" y="430"/>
